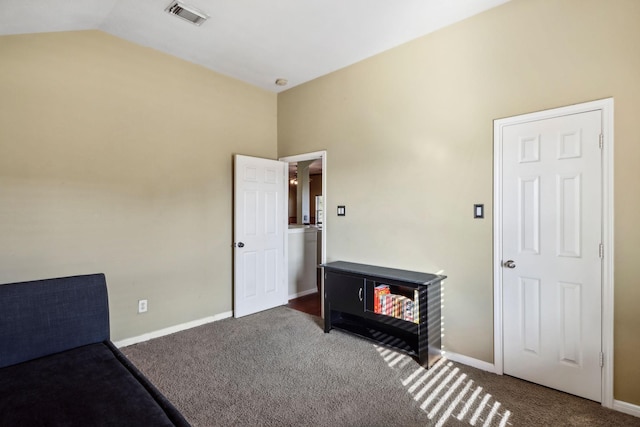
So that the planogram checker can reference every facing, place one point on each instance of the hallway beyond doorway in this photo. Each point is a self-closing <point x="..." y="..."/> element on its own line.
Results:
<point x="309" y="304"/>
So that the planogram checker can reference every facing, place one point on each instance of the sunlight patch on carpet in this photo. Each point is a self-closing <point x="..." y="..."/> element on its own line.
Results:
<point x="444" y="392"/>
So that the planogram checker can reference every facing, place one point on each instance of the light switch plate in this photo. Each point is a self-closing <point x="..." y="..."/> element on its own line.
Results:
<point x="342" y="211"/>
<point x="478" y="211"/>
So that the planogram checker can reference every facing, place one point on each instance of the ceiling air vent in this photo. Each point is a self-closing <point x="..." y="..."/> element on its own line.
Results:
<point x="188" y="13"/>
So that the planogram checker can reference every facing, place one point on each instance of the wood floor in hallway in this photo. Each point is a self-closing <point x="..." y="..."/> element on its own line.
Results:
<point x="307" y="304"/>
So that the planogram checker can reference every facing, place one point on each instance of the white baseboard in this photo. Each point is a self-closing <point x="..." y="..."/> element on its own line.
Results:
<point x="172" y="329"/>
<point x="469" y="361"/>
<point x="304" y="293"/>
<point x="627" y="408"/>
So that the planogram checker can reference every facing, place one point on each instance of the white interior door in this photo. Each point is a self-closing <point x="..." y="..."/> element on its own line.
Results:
<point x="551" y="252"/>
<point x="260" y="213"/>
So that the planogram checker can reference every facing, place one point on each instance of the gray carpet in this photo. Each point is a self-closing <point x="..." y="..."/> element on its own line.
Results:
<point x="278" y="368"/>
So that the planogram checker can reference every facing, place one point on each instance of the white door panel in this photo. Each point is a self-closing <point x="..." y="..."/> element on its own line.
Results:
<point x="259" y="233"/>
<point x="552" y="216"/>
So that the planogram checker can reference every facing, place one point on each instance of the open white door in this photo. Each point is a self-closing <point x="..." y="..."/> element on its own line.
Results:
<point x="260" y="213"/>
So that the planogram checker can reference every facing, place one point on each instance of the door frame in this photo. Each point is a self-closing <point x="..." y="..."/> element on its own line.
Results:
<point x="606" y="106"/>
<point x="323" y="259"/>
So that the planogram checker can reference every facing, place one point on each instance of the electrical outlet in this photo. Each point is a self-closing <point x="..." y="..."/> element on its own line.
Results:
<point x="142" y="306"/>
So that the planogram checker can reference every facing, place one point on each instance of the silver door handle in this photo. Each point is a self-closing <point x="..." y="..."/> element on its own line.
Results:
<point x="509" y="264"/>
<point x="360" y="294"/>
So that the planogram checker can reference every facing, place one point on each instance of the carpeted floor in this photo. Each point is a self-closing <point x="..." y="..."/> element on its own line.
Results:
<point x="278" y="368"/>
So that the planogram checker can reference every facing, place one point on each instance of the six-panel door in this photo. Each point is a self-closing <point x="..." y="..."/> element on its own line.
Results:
<point x="551" y="238"/>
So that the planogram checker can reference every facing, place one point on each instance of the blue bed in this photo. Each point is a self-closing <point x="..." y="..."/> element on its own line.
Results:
<point x="58" y="366"/>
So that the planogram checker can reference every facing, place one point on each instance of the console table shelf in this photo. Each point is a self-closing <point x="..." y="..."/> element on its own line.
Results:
<point x="412" y="325"/>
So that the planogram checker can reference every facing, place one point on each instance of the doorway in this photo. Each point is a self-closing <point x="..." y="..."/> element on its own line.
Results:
<point x="553" y="248"/>
<point x="306" y="240"/>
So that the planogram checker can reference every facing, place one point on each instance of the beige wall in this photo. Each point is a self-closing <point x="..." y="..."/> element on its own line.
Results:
<point x="409" y="141"/>
<point x="116" y="158"/>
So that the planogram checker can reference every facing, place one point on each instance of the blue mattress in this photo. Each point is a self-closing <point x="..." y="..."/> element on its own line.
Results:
<point x="92" y="385"/>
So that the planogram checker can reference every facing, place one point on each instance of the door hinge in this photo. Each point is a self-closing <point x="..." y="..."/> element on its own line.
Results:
<point x="601" y="250"/>
<point x="601" y="359"/>
<point x="601" y="141"/>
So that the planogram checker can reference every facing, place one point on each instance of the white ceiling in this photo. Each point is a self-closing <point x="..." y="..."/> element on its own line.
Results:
<point x="256" y="41"/>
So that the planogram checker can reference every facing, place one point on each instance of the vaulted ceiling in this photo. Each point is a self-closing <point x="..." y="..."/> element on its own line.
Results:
<point x="256" y="41"/>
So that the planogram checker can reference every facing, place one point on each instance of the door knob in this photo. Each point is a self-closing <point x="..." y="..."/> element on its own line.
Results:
<point x="240" y="245"/>
<point x="509" y="264"/>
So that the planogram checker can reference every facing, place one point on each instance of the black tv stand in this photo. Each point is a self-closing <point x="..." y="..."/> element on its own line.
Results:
<point x="409" y="318"/>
